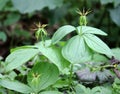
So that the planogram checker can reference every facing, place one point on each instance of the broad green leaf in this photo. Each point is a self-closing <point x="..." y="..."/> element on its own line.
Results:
<point x="42" y="75"/>
<point x="15" y="85"/>
<point x="116" y="52"/>
<point x="3" y="3"/>
<point x="97" y="45"/>
<point x="101" y="90"/>
<point x="92" y="30"/>
<point x="99" y="58"/>
<point x="53" y="54"/>
<point x="50" y="92"/>
<point x="106" y="1"/>
<point x="76" y="51"/>
<point x="61" y="32"/>
<point x="12" y="75"/>
<point x="28" y="6"/>
<point x="19" y="57"/>
<point x="3" y="36"/>
<point x="81" y="89"/>
<point x="61" y="83"/>
<point x="115" y="15"/>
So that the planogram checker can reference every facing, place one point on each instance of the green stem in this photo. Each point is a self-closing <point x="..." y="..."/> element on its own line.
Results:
<point x="42" y="38"/>
<point x="103" y="67"/>
<point x="108" y="66"/>
<point x="79" y="33"/>
<point x="70" y="78"/>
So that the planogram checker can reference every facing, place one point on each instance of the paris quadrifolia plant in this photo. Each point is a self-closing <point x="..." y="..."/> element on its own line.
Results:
<point x="40" y="31"/>
<point x="83" y="18"/>
<point x="53" y="68"/>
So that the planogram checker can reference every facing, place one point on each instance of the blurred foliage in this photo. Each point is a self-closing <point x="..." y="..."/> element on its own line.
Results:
<point x="3" y="36"/>
<point x="33" y="5"/>
<point x="115" y="15"/>
<point x="18" y="16"/>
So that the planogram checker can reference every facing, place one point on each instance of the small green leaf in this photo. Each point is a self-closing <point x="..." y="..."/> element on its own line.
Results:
<point x="19" y="57"/>
<point x="12" y="18"/>
<point x="53" y="54"/>
<point x="15" y="85"/>
<point x="90" y="30"/>
<point x="42" y="75"/>
<point x="61" y="32"/>
<point x="3" y="36"/>
<point x="50" y="92"/>
<point x="116" y="52"/>
<point x="22" y="33"/>
<point x="76" y="51"/>
<point x="61" y="83"/>
<point x="99" y="58"/>
<point x="97" y="45"/>
<point x="81" y="89"/>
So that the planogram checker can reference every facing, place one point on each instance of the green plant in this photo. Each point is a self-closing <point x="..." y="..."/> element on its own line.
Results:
<point x="116" y="86"/>
<point x="85" y="40"/>
<point x="57" y="67"/>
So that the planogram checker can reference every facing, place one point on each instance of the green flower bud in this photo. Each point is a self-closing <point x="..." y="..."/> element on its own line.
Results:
<point x="82" y="20"/>
<point x="40" y="31"/>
